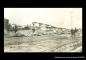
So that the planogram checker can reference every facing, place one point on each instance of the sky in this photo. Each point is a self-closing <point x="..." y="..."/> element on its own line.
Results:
<point x="58" y="17"/>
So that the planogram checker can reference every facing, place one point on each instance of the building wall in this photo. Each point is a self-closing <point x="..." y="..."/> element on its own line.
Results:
<point x="6" y="22"/>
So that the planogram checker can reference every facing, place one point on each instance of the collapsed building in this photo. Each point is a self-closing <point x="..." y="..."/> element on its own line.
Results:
<point x="42" y="28"/>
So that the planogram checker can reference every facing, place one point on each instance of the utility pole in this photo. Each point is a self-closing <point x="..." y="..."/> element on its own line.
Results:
<point x="71" y="29"/>
<point x="71" y="18"/>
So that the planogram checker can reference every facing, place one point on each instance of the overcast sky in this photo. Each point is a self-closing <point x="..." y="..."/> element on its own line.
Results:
<point x="59" y="17"/>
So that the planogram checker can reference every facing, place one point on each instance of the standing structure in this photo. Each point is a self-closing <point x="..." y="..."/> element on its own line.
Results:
<point x="6" y="23"/>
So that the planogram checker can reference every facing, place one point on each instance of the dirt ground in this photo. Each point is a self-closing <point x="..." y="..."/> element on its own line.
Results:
<point x="43" y="43"/>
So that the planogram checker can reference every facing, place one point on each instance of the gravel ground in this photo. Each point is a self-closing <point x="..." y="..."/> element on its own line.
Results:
<point x="44" y="43"/>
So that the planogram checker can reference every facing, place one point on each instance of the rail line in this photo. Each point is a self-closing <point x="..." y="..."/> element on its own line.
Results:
<point x="70" y="44"/>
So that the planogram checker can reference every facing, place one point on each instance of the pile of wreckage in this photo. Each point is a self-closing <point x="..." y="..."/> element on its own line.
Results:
<point x="38" y="29"/>
<point x="43" y="29"/>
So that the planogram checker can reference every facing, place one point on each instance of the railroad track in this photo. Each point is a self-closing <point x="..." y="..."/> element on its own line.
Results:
<point x="68" y="47"/>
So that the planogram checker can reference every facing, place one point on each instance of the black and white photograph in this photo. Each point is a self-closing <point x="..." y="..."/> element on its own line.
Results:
<point x="43" y="30"/>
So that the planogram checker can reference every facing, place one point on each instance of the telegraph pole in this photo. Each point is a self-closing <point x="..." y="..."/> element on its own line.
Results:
<point x="71" y="18"/>
<point x="71" y="23"/>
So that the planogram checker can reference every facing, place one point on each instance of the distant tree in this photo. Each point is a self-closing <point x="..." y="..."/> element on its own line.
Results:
<point x="33" y="27"/>
<point x="73" y="32"/>
<point x="9" y="27"/>
<point x="15" y="28"/>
